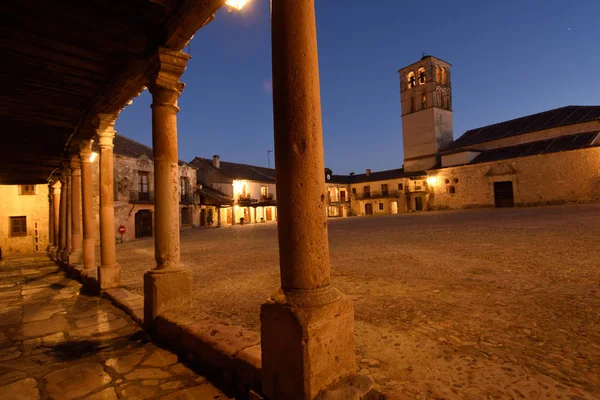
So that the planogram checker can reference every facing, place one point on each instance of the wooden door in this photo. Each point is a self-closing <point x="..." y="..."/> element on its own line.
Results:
<point x="229" y="216"/>
<point x="503" y="194"/>
<point x="419" y="203"/>
<point x="269" y="214"/>
<point x="369" y="209"/>
<point x="143" y="224"/>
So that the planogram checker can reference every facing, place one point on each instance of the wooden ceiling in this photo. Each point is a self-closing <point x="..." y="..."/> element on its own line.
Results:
<point x="66" y="61"/>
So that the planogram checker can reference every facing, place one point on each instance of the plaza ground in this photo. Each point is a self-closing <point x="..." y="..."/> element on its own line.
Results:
<point x="58" y="343"/>
<point x="475" y="304"/>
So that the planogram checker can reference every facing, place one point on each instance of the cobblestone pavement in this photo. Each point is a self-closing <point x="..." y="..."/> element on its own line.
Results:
<point x="477" y="304"/>
<point x="56" y="343"/>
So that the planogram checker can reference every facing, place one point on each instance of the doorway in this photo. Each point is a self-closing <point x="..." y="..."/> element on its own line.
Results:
<point x="368" y="209"/>
<point x="419" y="203"/>
<point x="229" y="216"/>
<point x="503" y="194"/>
<point x="143" y="224"/>
<point x="269" y="214"/>
<point x="202" y="217"/>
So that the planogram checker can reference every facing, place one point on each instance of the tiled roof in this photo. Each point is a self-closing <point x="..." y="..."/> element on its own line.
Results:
<point x="216" y="195"/>
<point x="568" y="115"/>
<point x="563" y="143"/>
<point x="375" y="176"/>
<point x="130" y="148"/>
<point x="240" y="171"/>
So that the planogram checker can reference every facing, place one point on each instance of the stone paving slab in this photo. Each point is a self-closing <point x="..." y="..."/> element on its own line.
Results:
<point x="57" y="343"/>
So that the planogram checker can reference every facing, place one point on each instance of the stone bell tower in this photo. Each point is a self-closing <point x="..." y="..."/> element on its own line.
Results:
<point x="426" y="104"/>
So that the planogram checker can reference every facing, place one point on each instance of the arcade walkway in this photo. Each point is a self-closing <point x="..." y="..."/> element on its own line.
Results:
<point x="58" y="343"/>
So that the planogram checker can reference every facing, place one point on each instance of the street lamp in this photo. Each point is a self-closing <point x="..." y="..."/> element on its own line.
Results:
<point x="93" y="156"/>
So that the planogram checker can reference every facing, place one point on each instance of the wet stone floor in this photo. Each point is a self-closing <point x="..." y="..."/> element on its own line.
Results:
<point x="58" y="343"/>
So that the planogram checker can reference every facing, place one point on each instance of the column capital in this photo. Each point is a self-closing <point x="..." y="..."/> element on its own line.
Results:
<point x="75" y="164"/>
<point x="164" y="70"/>
<point x="104" y="124"/>
<point x="85" y="151"/>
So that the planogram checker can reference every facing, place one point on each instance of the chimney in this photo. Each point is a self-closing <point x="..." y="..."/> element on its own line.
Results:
<point x="368" y="171"/>
<point x="351" y="173"/>
<point x="216" y="161"/>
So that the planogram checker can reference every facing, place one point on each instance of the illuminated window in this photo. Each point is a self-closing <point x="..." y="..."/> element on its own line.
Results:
<point x="438" y="74"/>
<point x="26" y="189"/>
<point x="264" y="191"/>
<point x="18" y="226"/>
<point x="411" y="80"/>
<point x="424" y="100"/>
<point x="443" y="76"/>
<point x="422" y="78"/>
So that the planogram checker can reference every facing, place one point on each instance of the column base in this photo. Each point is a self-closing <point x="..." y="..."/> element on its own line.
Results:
<point x="53" y="252"/>
<point x="109" y="276"/>
<point x="76" y="257"/>
<point x="165" y="290"/>
<point x="307" y="340"/>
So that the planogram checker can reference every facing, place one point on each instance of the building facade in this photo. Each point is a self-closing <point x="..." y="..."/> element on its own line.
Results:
<point x="233" y="193"/>
<point x="134" y="191"/>
<point x="24" y="218"/>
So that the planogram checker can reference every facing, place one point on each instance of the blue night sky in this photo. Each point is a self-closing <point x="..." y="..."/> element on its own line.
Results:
<point x="509" y="58"/>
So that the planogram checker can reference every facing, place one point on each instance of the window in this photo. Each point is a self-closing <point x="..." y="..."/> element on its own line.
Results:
<point x="329" y="196"/>
<point x="443" y="76"/>
<point x="186" y="216"/>
<point x="18" y="226"/>
<point x="384" y="189"/>
<point x="438" y="74"/>
<point x="400" y="186"/>
<point x="144" y="193"/>
<point x="422" y="78"/>
<point x="381" y="206"/>
<point x="185" y="190"/>
<point x="424" y="100"/>
<point x="367" y="191"/>
<point x="410" y="79"/>
<point x="353" y="190"/>
<point x="445" y="99"/>
<point x="452" y="189"/>
<point x="26" y="189"/>
<point x="343" y="196"/>
<point x="264" y="192"/>
<point x="417" y="185"/>
<point x="455" y="180"/>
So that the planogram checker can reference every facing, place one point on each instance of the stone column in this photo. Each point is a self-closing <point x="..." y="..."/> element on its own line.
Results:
<point x="67" y="195"/>
<point x="307" y="320"/>
<point x="87" y="210"/>
<point x="62" y="217"/>
<point x="168" y="286"/>
<point x="109" y="273"/>
<point x="255" y="220"/>
<point x="218" y="216"/>
<point x="76" y="255"/>
<point x="50" y="218"/>
<point x="56" y="211"/>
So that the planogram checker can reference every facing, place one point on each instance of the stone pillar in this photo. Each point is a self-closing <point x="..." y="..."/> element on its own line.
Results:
<point x="168" y="286"/>
<point x="218" y="216"/>
<point x="109" y="272"/>
<point x="56" y="211"/>
<point x="50" y="218"/>
<point x="76" y="255"/>
<point x="307" y="320"/>
<point x="87" y="210"/>
<point x="67" y="195"/>
<point x="62" y="217"/>
<point x="255" y="220"/>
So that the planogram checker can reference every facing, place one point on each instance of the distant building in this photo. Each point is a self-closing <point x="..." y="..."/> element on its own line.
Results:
<point x="24" y="218"/>
<point x="134" y="190"/>
<point x="231" y="191"/>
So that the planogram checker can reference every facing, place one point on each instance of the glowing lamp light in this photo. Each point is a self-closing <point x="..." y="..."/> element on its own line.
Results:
<point x="93" y="156"/>
<point x="431" y="180"/>
<point x="237" y="4"/>
<point x="237" y="186"/>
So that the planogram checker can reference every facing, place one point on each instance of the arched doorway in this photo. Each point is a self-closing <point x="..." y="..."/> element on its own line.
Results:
<point x="143" y="224"/>
<point x="368" y="209"/>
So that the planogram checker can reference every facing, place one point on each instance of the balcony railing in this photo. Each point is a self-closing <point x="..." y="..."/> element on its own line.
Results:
<point x="141" y="197"/>
<point x="186" y="198"/>
<point x="378" y="195"/>
<point x="267" y="197"/>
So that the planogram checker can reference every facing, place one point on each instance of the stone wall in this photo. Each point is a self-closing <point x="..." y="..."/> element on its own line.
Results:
<point x="35" y="208"/>
<point x="565" y="177"/>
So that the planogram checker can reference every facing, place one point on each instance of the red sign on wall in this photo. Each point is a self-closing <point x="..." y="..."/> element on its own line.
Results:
<point x="122" y="229"/>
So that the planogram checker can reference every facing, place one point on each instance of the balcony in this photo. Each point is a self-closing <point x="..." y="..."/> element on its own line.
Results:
<point x="186" y="198"/>
<point x="378" y="195"/>
<point x="141" y="197"/>
<point x="246" y="200"/>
